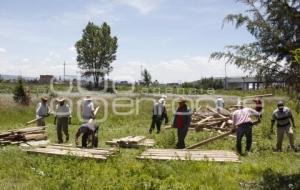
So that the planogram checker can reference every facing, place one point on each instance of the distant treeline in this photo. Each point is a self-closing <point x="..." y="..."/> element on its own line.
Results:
<point x="205" y="83"/>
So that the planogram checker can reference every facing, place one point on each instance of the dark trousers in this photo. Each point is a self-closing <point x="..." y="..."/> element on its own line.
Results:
<point x="164" y="116"/>
<point x="156" y="122"/>
<point x="181" y="134"/>
<point x="62" y="125"/>
<point x="88" y="135"/>
<point x="244" y="129"/>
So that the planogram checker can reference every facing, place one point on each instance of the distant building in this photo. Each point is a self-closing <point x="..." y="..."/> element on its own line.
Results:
<point x="45" y="79"/>
<point x="243" y="83"/>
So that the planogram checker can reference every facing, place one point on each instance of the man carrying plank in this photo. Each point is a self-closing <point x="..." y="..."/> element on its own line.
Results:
<point x="42" y="111"/>
<point x="62" y="119"/>
<point x="88" y="109"/>
<point x="89" y="131"/>
<point x="283" y="116"/>
<point x="243" y="125"/>
<point x="182" y="120"/>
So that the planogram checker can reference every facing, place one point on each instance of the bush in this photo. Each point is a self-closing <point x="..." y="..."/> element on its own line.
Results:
<point x="21" y="96"/>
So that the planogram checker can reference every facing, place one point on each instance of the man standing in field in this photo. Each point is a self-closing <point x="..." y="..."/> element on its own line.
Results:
<point x="42" y="111"/>
<point x="182" y="120"/>
<point x="219" y="103"/>
<point x="87" y="109"/>
<point x="164" y="115"/>
<point x="243" y="125"/>
<point x="258" y="104"/>
<point x="283" y="116"/>
<point x="157" y="112"/>
<point x="62" y="119"/>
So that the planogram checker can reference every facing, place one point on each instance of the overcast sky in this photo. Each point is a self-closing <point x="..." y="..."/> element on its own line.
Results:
<point x="171" y="38"/>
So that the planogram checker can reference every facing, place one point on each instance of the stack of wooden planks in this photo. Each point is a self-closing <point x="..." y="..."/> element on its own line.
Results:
<point x="211" y="120"/>
<point x="132" y="142"/>
<point x="19" y="136"/>
<point x="66" y="150"/>
<point x="194" y="155"/>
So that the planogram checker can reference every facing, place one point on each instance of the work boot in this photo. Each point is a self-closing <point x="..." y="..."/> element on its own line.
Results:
<point x="150" y="131"/>
<point x="67" y="138"/>
<point x="157" y="132"/>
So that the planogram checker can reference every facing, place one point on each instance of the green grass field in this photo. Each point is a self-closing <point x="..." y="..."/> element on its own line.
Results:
<point x="262" y="169"/>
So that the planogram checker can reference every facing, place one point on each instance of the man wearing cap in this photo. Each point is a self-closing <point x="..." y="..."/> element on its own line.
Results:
<point x="88" y="109"/>
<point x="157" y="112"/>
<point x="243" y="125"/>
<point x="89" y="132"/>
<point x="283" y="116"/>
<point x="182" y="120"/>
<point x="42" y="111"/>
<point x="62" y="119"/>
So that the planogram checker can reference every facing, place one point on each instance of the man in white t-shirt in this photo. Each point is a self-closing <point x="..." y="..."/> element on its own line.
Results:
<point x="88" y="109"/>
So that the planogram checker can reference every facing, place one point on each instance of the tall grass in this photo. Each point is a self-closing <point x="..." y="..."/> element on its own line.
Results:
<point x="19" y="170"/>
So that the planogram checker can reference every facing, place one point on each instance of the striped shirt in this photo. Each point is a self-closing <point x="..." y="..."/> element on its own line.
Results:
<point x="243" y="116"/>
<point x="282" y="118"/>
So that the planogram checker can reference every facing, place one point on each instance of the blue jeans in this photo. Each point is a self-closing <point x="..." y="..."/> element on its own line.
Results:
<point x="244" y="129"/>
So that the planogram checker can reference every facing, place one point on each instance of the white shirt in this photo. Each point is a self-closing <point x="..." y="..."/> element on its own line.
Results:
<point x="219" y="103"/>
<point x="243" y="115"/>
<point x="158" y="109"/>
<point x="41" y="110"/>
<point x="88" y="108"/>
<point x="63" y="111"/>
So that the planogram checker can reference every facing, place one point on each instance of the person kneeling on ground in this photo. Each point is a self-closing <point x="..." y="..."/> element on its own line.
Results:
<point x="182" y="120"/>
<point x="89" y="132"/>
<point x="243" y="125"/>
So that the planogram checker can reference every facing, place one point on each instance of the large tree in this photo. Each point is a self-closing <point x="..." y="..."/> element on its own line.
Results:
<point x="96" y="50"/>
<point x="275" y="24"/>
<point x="146" y="77"/>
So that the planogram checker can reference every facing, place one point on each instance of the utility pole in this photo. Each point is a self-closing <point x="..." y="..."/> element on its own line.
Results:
<point x="64" y="71"/>
<point x="225" y="78"/>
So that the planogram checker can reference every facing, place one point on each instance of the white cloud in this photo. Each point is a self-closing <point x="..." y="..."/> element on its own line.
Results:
<point x="2" y="50"/>
<point x="187" y="68"/>
<point x="72" y="49"/>
<point x="26" y="60"/>
<point x="144" y="6"/>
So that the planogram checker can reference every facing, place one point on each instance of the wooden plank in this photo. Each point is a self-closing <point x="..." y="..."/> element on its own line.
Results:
<point x="260" y="95"/>
<point x="66" y="153"/>
<point x="193" y="155"/>
<point x="209" y="140"/>
<point x="204" y="120"/>
<point x="92" y="151"/>
<point x="214" y="111"/>
<point x="223" y="125"/>
<point x="36" y="137"/>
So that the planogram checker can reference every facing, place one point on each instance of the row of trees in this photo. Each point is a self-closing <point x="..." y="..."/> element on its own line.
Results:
<point x="275" y="24"/>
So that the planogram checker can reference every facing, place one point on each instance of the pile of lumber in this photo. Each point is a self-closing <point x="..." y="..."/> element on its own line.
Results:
<point x="132" y="142"/>
<point x="212" y="120"/>
<point x="66" y="150"/>
<point x="19" y="136"/>
<point x="194" y="155"/>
